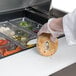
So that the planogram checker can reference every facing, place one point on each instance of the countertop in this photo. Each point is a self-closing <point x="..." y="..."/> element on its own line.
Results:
<point x="31" y="63"/>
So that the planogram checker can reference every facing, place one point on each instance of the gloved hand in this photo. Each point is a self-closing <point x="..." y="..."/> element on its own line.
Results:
<point x="54" y="27"/>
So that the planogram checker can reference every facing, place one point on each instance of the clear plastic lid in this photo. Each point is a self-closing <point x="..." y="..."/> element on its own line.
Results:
<point x="8" y="46"/>
<point x="16" y="33"/>
<point x="27" y="23"/>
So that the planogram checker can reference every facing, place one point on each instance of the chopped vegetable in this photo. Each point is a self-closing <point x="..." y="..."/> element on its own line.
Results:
<point x="2" y="50"/>
<point x="6" y="53"/>
<point x="6" y="31"/>
<point x="30" y="28"/>
<point x="23" y="23"/>
<point x="26" y="24"/>
<point x="3" y="42"/>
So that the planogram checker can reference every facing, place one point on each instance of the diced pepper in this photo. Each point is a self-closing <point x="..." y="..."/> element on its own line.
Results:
<point x="6" y="53"/>
<point x="3" y="42"/>
<point x="23" y="23"/>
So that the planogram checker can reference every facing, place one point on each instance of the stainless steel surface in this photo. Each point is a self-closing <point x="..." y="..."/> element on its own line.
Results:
<point x="43" y="8"/>
<point x="6" y="5"/>
<point x="57" y="13"/>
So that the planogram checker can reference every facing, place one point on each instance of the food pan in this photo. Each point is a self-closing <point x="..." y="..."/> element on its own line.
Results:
<point x="17" y="34"/>
<point x="26" y="23"/>
<point x="8" y="46"/>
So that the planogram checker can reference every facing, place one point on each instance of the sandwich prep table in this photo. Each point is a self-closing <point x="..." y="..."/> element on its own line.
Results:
<point x="24" y="19"/>
<point x="21" y="24"/>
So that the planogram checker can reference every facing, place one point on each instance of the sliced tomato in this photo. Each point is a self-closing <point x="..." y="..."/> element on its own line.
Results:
<point x="6" y="53"/>
<point x="3" y="42"/>
<point x="2" y="50"/>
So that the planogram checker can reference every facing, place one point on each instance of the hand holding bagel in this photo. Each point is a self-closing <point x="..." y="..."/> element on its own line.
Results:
<point x="47" y="42"/>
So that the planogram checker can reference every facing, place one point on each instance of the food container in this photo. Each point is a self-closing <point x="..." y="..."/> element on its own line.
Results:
<point x="27" y="23"/>
<point x="8" y="46"/>
<point x="17" y="34"/>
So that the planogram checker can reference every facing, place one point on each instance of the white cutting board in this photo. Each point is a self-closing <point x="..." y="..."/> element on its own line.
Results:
<point x="30" y="63"/>
<point x="64" y="5"/>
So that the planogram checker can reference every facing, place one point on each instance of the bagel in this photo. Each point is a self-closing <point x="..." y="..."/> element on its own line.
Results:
<point x="45" y="45"/>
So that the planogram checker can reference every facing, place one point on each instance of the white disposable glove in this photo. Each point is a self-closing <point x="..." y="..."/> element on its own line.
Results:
<point x="54" y="27"/>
